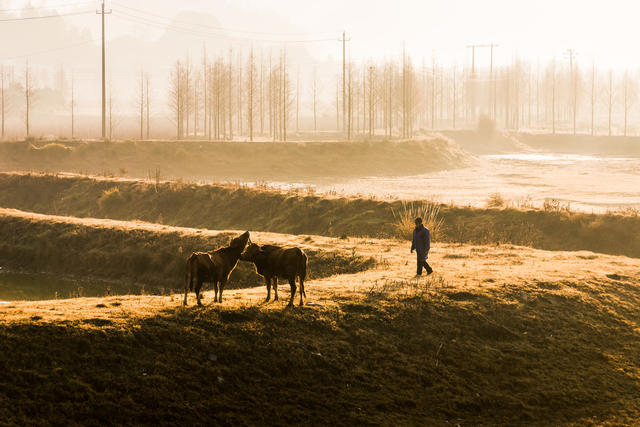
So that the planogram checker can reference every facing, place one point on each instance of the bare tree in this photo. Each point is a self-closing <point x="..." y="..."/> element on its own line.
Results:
<point x="553" y="97"/>
<point x="239" y="103"/>
<point x="176" y="97"/>
<point x="205" y="89"/>
<point x="350" y="101"/>
<point x="196" y="103"/>
<point x="141" y="102"/>
<point x="148" y="107"/>
<point x="73" y="104"/>
<point x="371" y="101"/>
<point x="261" y="93"/>
<point x="186" y="93"/>
<point x="2" y="100"/>
<point x="629" y="99"/>
<point x="298" y="100"/>
<point x="454" y="98"/>
<point x="110" y="112"/>
<point x="337" y="104"/>
<point x="315" y="99"/>
<point x="610" y="97"/>
<point x="28" y="92"/>
<point x="250" y="100"/>
<point x="230" y="87"/>
<point x="593" y="95"/>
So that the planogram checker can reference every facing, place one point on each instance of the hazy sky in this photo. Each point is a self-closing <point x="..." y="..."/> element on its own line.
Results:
<point x="378" y="28"/>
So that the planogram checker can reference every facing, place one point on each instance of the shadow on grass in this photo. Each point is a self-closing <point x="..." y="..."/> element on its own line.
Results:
<point x="385" y="358"/>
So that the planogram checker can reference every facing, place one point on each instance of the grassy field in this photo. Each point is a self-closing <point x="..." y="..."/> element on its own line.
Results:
<point x="499" y="335"/>
<point x="235" y="161"/>
<point x="237" y="207"/>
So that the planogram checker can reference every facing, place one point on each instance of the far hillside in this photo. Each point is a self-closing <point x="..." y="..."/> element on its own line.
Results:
<point x="229" y="161"/>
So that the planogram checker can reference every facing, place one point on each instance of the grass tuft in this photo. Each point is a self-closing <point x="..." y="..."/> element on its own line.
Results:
<point x="409" y="211"/>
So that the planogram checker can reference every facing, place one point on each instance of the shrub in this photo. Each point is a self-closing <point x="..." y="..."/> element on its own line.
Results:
<point x="555" y="205"/>
<point x="496" y="200"/>
<point x="110" y="198"/>
<point x="409" y="211"/>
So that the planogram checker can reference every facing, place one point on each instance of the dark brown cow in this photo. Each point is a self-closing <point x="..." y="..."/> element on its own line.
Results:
<point x="274" y="261"/>
<point x="214" y="266"/>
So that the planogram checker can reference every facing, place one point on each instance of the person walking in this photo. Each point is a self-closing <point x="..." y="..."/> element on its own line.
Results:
<point x="421" y="243"/>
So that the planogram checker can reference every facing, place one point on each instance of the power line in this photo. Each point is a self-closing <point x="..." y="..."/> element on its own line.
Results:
<point x="161" y="25"/>
<point x="24" y="9"/>
<point x="49" y="50"/>
<point x="29" y="18"/>
<point x="210" y="27"/>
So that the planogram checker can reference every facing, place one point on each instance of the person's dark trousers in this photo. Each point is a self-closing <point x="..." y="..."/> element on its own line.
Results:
<point x="422" y="262"/>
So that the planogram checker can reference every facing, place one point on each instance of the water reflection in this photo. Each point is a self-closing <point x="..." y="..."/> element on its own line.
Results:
<point x="32" y="287"/>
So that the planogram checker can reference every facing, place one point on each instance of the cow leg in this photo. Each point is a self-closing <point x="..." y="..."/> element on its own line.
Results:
<point x="215" y="291"/>
<point x="275" y="287"/>
<point x="198" y="287"/>
<point x="222" y="283"/>
<point x="186" y="289"/>
<point x="267" y="280"/>
<point x="292" y="283"/>
<point x="302" y="291"/>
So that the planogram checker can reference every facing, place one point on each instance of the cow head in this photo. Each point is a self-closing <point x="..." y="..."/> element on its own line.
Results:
<point x="250" y="252"/>
<point x="241" y="241"/>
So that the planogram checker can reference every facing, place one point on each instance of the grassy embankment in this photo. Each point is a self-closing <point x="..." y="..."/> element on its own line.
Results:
<point x="142" y="254"/>
<point x="222" y="207"/>
<point x="254" y="161"/>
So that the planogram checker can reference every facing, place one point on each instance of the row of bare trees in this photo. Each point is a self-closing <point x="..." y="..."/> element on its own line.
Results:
<point x="397" y="98"/>
<point x="228" y="94"/>
<point x="254" y="96"/>
<point x="249" y="96"/>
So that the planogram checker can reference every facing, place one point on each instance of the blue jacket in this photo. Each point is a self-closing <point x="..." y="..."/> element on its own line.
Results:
<point x="421" y="240"/>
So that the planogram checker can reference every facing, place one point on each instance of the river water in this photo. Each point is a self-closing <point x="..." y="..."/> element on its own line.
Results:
<point x="31" y="287"/>
<point x="585" y="183"/>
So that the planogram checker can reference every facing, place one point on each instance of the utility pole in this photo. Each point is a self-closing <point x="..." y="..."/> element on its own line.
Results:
<point x="102" y="12"/>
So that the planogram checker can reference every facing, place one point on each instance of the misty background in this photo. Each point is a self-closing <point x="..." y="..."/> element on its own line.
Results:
<point x="553" y="63"/>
